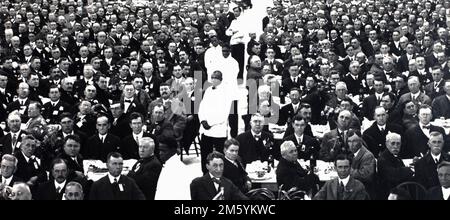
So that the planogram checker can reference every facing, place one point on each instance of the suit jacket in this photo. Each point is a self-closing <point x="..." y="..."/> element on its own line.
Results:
<point x="236" y="174"/>
<point x="287" y="113"/>
<point x="308" y="148"/>
<point x="152" y="86"/>
<point x="363" y="166"/>
<point x="287" y="84"/>
<point x="376" y="140"/>
<point x="121" y="127"/>
<point x="129" y="147"/>
<point x="26" y="170"/>
<point x="47" y="191"/>
<point x="416" y="142"/>
<point x="6" y="143"/>
<point x="23" y="109"/>
<point x="51" y="114"/>
<point x="87" y="124"/>
<point x="252" y="150"/>
<point x="146" y="174"/>
<point x="391" y="172"/>
<point x="433" y="92"/>
<point x="314" y="98"/>
<point x="97" y="150"/>
<point x="368" y="107"/>
<point x="202" y="188"/>
<point x="441" y="107"/>
<point x="13" y="180"/>
<point x="291" y="174"/>
<point x="435" y="193"/>
<point x="104" y="190"/>
<point x="333" y="143"/>
<point x="354" y="190"/>
<point x="134" y="106"/>
<point x="421" y="99"/>
<point x="426" y="170"/>
<point x="353" y="86"/>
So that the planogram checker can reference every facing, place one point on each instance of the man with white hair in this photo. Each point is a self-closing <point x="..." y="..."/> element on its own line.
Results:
<point x="11" y="142"/>
<point x="291" y="174"/>
<point x="414" y="94"/>
<point x="391" y="169"/>
<point x="20" y="191"/>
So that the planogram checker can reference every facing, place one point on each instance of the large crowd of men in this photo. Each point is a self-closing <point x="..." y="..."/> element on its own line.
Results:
<point x="114" y="80"/>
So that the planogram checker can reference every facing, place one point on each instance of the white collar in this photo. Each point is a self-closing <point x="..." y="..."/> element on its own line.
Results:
<point x="22" y="100"/>
<point x="26" y="158"/>
<point x="415" y="95"/>
<point x="60" y="185"/>
<point x="140" y="135"/>
<point x="7" y="180"/>
<point x="213" y="177"/>
<point x="65" y="135"/>
<point x="253" y="133"/>
<point x="2" y="90"/>
<point x="445" y="192"/>
<point x="381" y="127"/>
<point x="17" y="134"/>
<point x="102" y="136"/>
<point x="111" y="178"/>
<point x="356" y="153"/>
<point x="344" y="181"/>
<point x="299" y="138"/>
<point x="438" y="157"/>
<point x="422" y="125"/>
<point x="54" y="103"/>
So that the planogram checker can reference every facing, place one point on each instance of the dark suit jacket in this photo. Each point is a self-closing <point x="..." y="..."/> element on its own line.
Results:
<point x="13" y="180"/>
<point x="353" y="86"/>
<point x="441" y="107"/>
<point x="309" y="146"/>
<point x="391" y="172"/>
<point x="202" y="188"/>
<point x="434" y="92"/>
<point x="286" y="114"/>
<point x="121" y="128"/>
<point x="368" y="107"/>
<point x="129" y="147"/>
<point x="27" y="170"/>
<point x="72" y="165"/>
<point x="287" y="84"/>
<point x="97" y="150"/>
<point x="416" y="141"/>
<point x="16" y="106"/>
<point x="236" y="174"/>
<point x="251" y="150"/>
<point x="293" y="175"/>
<point x="314" y="98"/>
<point x="87" y="124"/>
<point x="147" y="175"/>
<point x="135" y="106"/>
<point x="6" y="143"/>
<point x="363" y="166"/>
<point x="47" y="191"/>
<point x="375" y="140"/>
<point x="421" y="99"/>
<point x="426" y="170"/>
<point x="51" y="114"/>
<point x="332" y="145"/>
<point x="104" y="190"/>
<point x="354" y="190"/>
<point x="435" y="193"/>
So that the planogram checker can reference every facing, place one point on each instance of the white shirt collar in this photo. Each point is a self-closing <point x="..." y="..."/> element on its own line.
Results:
<point x="416" y="95"/>
<point x="381" y="127"/>
<point x="26" y="158"/>
<point x="17" y="134"/>
<point x="22" y="100"/>
<point x="8" y="180"/>
<point x="344" y="181"/>
<point x="215" y="184"/>
<point x="111" y="178"/>
<point x="299" y="138"/>
<point x="438" y="157"/>
<point x="140" y="135"/>
<point x="2" y="90"/>
<point x="54" y="103"/>
<point x="445" y="193"/>
<point x="356" y="153"/>
<point x="253" y="133"/>
<point x="60" y="185"/>
<point x="102" y="136"/>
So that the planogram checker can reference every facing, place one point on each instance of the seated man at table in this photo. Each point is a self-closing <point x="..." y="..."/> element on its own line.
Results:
<point x="306" y="112"/>
<point x="416" y="138"/>
<point x="291" y="174"/>
<point x="345" y="104"/>
<point x="375" y="135"/>
<point x="307" y="146"/>
<point x="71" y="153"/>
<point x="426" y="168"/>
<point x="288" y="111"/>
<point x="346" y="187"/>
<point x="213" y="186"/>
<point x="146" y="170"/>
<point x="115" y="186"/>
<point x="101" y="144"/>
<point x="54" y="188"/>
<point x="130" y="144"/>
<point x="233" y="168"/>
<point x="335" y="141"/>
<point x="441" y="192"/>
<point x="391" y="169"/>
<point x="255" y="144"/>
<point x="363" y="163"/>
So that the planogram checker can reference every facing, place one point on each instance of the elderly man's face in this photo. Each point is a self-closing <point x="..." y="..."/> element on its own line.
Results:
<point x="257" y="124"/>
<point x="145" y="149"/>
<point x="291" y="154"/>
<point x="393" y="145"/>
<point x="425" y="116"/>
<point x="344" y="120"/>
<point x="28" y="147"/>
<point x="73" y="193"/>
<point x="215" y="167"/>
<point x="436" y="143"/>
<point x="354" y="143"/>
<point x="7" y="168"/>
<point x="59" y="172"/>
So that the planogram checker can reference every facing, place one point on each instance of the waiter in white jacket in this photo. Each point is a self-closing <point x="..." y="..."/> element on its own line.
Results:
<point x="213" y="115"/>
<point x="236" y="32"/>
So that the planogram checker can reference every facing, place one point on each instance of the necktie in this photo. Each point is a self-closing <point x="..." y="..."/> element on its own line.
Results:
<point x="115" y="185"/>
<point x="102" y="139"/>
<point x="257" y="137"/>
<point x="426" y="127"/>
<point x="127" y="100"/>
<point x="58" y="190"/>
<point x="436" y="160"/>
<point x="295" y="109"/>
<point x="14" y="140"/>
<point x="340" y="191"/>
<point x="53" y="105"/>
<point x="137" y="139"/>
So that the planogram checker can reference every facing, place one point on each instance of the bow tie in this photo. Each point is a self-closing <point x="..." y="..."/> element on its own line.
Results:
<point x="257" y="136"/>
<point x="426" y="127"/>
<point x="216" y="180"/>
<point x="127" y="100"/>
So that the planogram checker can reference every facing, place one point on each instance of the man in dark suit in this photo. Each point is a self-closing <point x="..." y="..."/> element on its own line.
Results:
<point x="88" y="79"/>
<point x="256" y="144"/>
<point x="288" y="112"/>
<point x="130" y="144"/>
<point x="391" y="169"/>
<point x="101" y="144"/>
<point x="5" y="95"/>
<point x="115" y="186"/>
<point x="313" y="97"/>
<point x="345" y="187"/>
<point x="291" y="174"/>
<point x="84" y="120"/>
<point x="54" y="188"/>
<point x="21" y="104"/>
<point x="375" y="135"/>
<point x="335" y="141"/>
<point x="353" y="80"/>
<point x="416" y="138"/>
<point x="9" y="167"/>
<point x="29" y="167"/>
<point x="374" y="100"/>
<point x="436" y="87"/>
<point x="294" y="80"/>
<point x="426" y="168"/>
<point x="441" y="104"/>
<point x="10" y="143"/>
<point x="440" y="192"/>
<point x="233" y="168"/>
<point x="146" y="170"/>
<point x="164" y="133"/>
<point x="120" y="125"/>
<point x="130" y="103"/>
<point x="213" y="186"/>
<point x="54" y="108"/>
<point x="415" y="94"/>
<point x="71" y="154"/>
<point x="307" y="147"/>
